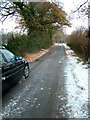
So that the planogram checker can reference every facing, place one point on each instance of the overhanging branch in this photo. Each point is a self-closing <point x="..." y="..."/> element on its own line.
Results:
<point x="80" y="6"/>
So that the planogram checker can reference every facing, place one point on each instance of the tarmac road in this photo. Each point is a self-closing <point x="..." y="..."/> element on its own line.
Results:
<point x="42" y="94"/>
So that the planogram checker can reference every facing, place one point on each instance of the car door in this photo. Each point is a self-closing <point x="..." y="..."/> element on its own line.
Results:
<point x="18" y="69"/>
<point x="10" y="69"/>
<point x="6" y="74"/>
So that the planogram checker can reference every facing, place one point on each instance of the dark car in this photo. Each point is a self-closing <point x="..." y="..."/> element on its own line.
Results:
<point x="12" y="68"/>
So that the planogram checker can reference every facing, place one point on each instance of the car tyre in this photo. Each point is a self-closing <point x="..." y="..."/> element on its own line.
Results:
<point x="26" y="71"/>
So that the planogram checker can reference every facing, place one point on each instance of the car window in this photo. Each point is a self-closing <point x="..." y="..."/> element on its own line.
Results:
<point x="8" y="55"/>
<point x="2" y="61"/>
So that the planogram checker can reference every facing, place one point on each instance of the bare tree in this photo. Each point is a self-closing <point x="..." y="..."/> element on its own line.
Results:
<point x="82" y="7"/>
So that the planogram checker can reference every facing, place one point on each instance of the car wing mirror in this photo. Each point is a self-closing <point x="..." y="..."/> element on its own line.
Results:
<point x="20" y="58"/>
<point x="13" y="60"/>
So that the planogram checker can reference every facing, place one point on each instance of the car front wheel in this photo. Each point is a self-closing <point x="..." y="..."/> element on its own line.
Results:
<point x="26" y="71"/>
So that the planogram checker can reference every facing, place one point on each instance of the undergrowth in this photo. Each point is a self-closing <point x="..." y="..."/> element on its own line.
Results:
<point x="20" y="44"/>
<point x="79" y="43"/>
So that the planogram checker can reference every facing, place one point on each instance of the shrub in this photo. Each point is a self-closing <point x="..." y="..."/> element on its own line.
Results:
<point x="19" y="44"/>
<point x="79" y="43"/>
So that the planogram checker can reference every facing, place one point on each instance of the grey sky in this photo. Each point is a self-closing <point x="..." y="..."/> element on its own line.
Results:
<point x="71" y="5"/>
<point x="68" y="5"/>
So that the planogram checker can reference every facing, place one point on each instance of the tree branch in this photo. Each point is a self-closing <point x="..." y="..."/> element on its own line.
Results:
<point x="80" y="6"/>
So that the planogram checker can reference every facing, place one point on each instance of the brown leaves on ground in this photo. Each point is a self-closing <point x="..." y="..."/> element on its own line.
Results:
<point x="63" y="115"/>
<point x="8" y="113"/>
<point x="19" y="111"/>
<point x="37" y="107"/>
<point x="70" y="110"/>
<point x="50" y="88"/>
<point x="64" y="98"/>
<point x="57" y="116"/>
<point x="55" y="93"/>
<point x="57" y="113"/>
<point x="31" y="57"/>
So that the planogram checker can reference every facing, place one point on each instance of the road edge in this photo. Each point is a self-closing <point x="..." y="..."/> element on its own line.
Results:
<point x="42" y="54"/>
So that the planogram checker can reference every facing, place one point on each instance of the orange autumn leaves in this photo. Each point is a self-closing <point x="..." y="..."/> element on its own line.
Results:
<point x="42" y="16"/>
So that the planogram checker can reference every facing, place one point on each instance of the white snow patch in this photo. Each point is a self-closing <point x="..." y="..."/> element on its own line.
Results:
<point x="76" y="76"/>
<point x="42" y="89"/>
<point x="60" y="61"/>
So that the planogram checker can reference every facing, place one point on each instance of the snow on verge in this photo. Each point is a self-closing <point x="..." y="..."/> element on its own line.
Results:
<point x="76" y="85"/>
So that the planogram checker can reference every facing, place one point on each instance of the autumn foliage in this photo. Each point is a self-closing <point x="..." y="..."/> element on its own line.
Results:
<point x="78" y="41"/>
<point x="40" y="19"/>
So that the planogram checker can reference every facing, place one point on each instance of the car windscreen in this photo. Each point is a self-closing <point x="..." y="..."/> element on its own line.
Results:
<point x="8" y="55"/>
<point x="2" y="61"/>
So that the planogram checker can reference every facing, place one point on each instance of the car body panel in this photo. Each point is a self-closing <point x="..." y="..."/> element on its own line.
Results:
<point x="12" y="71"/>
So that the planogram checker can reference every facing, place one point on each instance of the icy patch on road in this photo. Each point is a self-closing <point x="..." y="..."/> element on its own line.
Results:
<point x="76" y="85"/>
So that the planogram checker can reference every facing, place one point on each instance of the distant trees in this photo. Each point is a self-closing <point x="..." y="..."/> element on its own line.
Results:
<point x="59" y="36"/>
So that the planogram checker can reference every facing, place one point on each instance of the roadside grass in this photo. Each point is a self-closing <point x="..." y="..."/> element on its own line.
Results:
<point x="78" y="42"/>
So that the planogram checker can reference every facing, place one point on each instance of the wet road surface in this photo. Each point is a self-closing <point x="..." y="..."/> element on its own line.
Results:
<point x="46" y="93"/>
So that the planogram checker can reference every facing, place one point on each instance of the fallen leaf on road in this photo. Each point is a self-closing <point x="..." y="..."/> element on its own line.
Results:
<point x="19" y="111"/>
<point x="63" y="98"/>
<point x="55" y="93"/>
<point x="57" y="113"/>
<point x="35" y="98"/>
<point x="63" y="115"/>
<point x="70" y="110"/>
<point x="8" y="113"/>
<point x="36" y="107"/>
<point x="50" y="88"/>
<point x="57" y="117"/>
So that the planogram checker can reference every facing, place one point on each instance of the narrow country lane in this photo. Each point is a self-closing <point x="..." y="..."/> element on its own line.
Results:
<point x="47" y="93"/>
